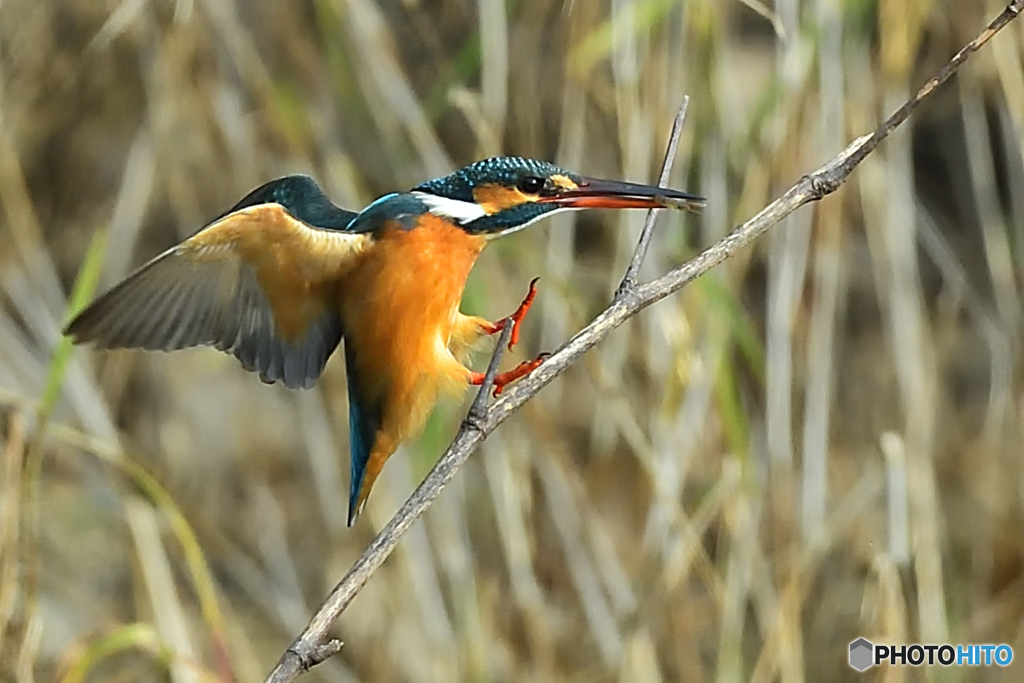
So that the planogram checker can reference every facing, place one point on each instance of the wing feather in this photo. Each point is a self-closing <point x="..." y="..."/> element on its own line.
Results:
<point x="257" y="283"/>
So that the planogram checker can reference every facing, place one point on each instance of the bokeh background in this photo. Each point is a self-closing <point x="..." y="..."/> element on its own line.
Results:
<point x="817" y="441"/>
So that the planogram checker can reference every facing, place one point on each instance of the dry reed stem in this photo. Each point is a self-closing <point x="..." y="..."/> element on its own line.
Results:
<point x="314" y="646"/>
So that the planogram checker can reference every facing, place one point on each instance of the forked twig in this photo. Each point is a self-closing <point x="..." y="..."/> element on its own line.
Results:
<point x="629" y="280"/>
<point x="314" y="645"/>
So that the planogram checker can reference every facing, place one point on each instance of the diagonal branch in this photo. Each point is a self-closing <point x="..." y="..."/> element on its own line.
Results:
<point x="315" y="645"/>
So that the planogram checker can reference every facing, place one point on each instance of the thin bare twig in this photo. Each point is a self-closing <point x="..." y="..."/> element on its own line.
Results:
<point x="313" y="646"/>
<point x="629" y="280"/>
<point x="478" y="409"/>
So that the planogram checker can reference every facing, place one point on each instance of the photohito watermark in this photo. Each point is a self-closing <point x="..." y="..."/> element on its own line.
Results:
<point x="864" y="654"/>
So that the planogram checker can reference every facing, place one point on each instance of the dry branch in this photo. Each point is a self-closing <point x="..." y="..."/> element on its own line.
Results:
<point x="314" y="645"/>
<point x="633" y="271"/>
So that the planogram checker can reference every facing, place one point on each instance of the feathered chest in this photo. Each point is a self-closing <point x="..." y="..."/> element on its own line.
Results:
<point x="401" y="298"/>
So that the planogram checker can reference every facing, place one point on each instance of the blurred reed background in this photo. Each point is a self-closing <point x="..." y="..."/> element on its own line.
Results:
<point x="819" y="440"/>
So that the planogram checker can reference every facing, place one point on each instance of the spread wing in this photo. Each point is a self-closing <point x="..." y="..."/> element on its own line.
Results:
<point x="257" y="283"/>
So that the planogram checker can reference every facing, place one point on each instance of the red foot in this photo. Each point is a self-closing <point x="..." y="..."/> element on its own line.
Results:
<point x="503" y="379"/>
<point x="516" y="318"/>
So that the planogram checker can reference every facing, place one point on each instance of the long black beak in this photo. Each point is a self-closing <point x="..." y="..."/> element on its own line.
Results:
<point x="614" y="194"/>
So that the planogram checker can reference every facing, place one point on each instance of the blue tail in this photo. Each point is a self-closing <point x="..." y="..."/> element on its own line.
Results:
<point x="363" y="422"/>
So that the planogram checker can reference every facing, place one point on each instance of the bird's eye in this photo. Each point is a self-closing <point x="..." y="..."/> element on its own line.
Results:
<point x="530" y="185"/>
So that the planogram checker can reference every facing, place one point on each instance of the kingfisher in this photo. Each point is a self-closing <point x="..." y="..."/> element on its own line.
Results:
<point x="283" y="276"/>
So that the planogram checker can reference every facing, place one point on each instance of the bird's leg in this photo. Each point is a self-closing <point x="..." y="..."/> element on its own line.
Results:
<point x="504" y="378"/>
<point x="517" y="319"/>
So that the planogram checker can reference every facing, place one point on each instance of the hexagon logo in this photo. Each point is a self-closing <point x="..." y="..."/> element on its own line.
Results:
<point x="862" y="654"/>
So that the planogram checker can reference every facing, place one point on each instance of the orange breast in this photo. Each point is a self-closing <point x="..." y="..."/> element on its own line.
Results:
<point x="399" y="307"/>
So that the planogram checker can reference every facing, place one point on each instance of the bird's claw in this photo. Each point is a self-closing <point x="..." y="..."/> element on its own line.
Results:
<point x="520" y="313"/>
<point x="503" y="379"/>
<point x="526" y="367"/>
<point x="516" y="317"/>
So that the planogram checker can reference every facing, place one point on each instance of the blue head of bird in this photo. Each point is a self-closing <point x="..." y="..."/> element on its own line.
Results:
<point x="500" y="195"/>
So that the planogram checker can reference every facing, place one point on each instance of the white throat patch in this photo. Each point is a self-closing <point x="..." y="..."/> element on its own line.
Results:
<point x="457" y="210"/>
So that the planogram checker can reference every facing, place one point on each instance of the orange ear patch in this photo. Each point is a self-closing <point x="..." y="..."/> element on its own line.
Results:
<point x="494" y="198"/>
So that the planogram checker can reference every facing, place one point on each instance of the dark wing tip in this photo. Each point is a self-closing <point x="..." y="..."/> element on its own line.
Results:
<point x="74" y="329"/>
<point x="146" y="310"/>
<point x="98" y="324"/>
